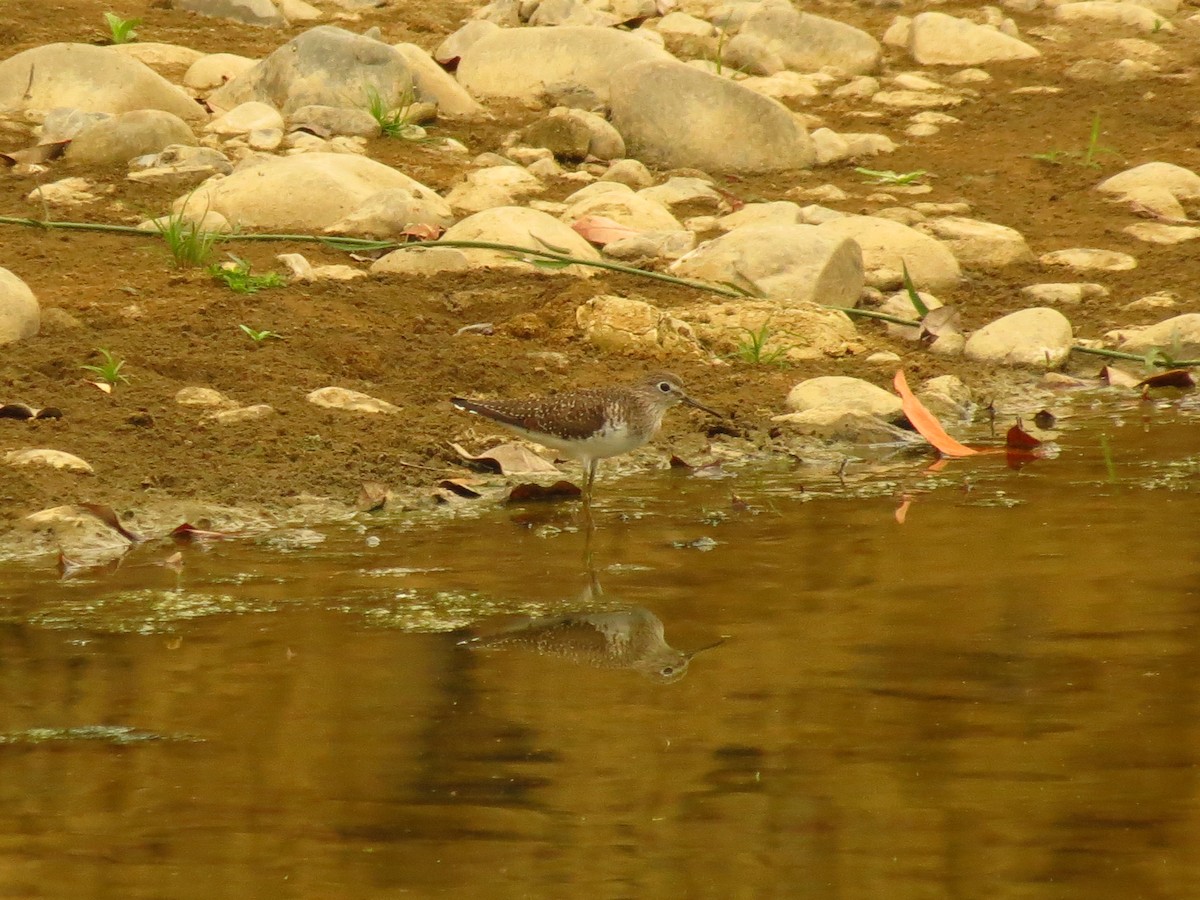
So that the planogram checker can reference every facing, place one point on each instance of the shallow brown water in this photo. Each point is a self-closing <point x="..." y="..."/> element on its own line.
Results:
<point x="997" y="698"/>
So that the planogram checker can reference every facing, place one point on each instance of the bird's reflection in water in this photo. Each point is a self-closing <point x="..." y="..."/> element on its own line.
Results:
<point x="622" y="639"/>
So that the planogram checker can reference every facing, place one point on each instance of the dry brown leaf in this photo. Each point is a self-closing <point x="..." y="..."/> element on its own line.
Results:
<point x="373" y="495"/>
<point x="509" y="459"/>
<point x="902" y="509"/>
<point x="926" y="422"/>
<point x="1018" y="438"/>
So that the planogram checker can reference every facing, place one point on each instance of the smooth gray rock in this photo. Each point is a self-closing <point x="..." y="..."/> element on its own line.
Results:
<point x="325" y="66"/>
<point x="249" y="12"/>
<point x="1179" y="336"/>
<point x="675" y="116"/>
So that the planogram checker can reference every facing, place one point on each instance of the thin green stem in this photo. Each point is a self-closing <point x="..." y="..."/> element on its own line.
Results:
<point x="1142" y="358"/>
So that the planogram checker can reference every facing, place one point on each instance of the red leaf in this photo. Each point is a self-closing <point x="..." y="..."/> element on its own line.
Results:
<point x="926" y="422"/>
<point x="1019" y="439"/>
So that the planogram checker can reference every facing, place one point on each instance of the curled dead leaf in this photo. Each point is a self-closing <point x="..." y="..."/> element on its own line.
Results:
<point x="1018" y="438"/>
<point x="508" y="459"/>
<point x="459" y="487"/>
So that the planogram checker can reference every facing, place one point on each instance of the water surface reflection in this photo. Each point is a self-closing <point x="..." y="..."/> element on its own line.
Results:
<point x="997" y="698"/>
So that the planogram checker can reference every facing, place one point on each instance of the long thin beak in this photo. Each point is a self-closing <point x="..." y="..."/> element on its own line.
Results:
<point x="708" y="409"/>
<point x="692" y="653"/>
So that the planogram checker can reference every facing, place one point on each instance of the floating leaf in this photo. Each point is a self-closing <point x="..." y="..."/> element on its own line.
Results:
<point x="509" y="459"/>
<point x="537" y="493"/>
<point x="174" y="562"/>
<point x="902" y="509"/>
<point x="926" y="422"/>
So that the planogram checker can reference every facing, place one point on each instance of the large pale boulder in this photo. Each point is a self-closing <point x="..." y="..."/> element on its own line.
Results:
<point x="324" y="66"/>
<point x="20" y="314"/>
<point x="846" y="393"/>
<point x="213" y="70"/>
<point x="887" y="247"/>
<point x="1039" y="337"/>
<point x="676" y="116"/>
<point x="795" y="263"/>
<point x="308" y="191"/>
<point x="521" y="63"/>
<point x="777" y="36"/>
<point x="94" y="79"/>
<point x="938" y="39"/>
<point x="117" y="140"/>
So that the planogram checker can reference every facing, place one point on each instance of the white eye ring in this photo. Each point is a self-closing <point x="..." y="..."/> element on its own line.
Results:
<point x="665" y="387"/>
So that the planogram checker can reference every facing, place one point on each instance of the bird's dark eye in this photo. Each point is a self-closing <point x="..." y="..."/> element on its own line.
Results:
<point x="665" y="387"/>
<point x="668" y="670"/>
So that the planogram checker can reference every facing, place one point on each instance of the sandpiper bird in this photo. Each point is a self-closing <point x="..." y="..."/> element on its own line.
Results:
<point x="590" y="425"/>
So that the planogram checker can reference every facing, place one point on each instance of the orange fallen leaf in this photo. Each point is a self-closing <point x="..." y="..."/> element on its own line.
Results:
<point x="926" y="422"/>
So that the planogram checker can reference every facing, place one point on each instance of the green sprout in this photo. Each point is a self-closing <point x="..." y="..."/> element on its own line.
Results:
<point x="189" y="244"/>
<point x="121" y="30"/>
<point x="395" y="121"/>
<point x="754" y="348"/>
<point x="887" y="176"/>
<point x="108" y="371"/>
<point x="260" y="337"/>
<point x="236" y="276"/>
<point x="1088" y="157"/>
